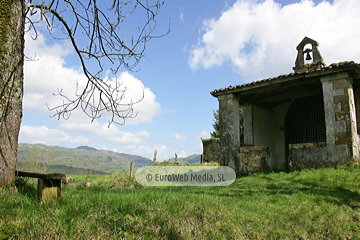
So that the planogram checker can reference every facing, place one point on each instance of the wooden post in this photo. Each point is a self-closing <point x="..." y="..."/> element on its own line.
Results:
<point x="49" y="185"/>
<point x="155" y="152"/>
<point x="49" y="191"/>
<point x="131" y="169"/>
<point x="176" y="159"/>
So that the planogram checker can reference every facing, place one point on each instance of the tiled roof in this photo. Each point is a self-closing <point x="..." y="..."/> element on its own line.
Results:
<point x="334" y="65"/>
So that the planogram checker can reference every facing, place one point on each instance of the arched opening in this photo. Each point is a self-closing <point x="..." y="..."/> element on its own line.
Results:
<point x="305" y="121"/>
<point x="308" y="54"/>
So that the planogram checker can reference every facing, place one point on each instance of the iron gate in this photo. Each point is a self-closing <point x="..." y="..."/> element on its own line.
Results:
<point x="305" y="121"/>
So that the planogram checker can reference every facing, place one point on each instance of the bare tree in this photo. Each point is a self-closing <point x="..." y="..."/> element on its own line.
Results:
<point x="93" y="28"/>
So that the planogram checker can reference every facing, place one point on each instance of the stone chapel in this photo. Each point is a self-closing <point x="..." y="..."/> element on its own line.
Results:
<point x="305" y="119"/>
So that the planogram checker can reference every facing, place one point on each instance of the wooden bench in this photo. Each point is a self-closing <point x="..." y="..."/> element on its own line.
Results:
<point x="49" y="184"/>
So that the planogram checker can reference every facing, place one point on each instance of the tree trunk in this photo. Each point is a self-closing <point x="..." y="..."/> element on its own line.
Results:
<point x="12" y="19"/>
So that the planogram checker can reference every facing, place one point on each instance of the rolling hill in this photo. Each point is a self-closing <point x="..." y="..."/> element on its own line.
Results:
<point x="195" y="158"/>
<point x="82" y="159"/>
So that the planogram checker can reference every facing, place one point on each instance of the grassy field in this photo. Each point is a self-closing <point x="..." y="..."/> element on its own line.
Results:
<point x="311" y="204"/>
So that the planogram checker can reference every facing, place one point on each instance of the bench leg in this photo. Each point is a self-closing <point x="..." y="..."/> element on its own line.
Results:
<point x="49" y="190"/>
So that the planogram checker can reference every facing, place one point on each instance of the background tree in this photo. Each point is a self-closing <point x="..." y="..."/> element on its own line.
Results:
<point x="92" y="27"/>
<point x="216" y="125"/>
<point x="36" y="160"/>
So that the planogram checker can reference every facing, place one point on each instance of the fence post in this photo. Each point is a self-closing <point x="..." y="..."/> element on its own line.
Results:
<point x="155" y="152"/>
<point x="131" y="169"/>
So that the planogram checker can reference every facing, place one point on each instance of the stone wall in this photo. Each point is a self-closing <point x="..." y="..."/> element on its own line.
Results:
<point x="308" y="155"/>
<point x="254" y="158"/>
<point x="211" y="150"/>
<point x="340" y="117"/>
<point x="357" y="107"/>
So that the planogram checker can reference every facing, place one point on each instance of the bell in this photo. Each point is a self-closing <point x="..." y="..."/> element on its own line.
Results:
<point x="308" y="57"/>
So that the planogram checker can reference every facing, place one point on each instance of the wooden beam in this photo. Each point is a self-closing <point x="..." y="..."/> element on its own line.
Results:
<point x="46" y="176"/>
<point x="298" y="94"/>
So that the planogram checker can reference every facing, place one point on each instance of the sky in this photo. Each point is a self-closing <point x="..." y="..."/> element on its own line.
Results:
<point x="212" y="44"/>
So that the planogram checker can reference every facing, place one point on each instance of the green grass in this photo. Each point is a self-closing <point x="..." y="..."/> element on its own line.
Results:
<point x="311" y="204"/>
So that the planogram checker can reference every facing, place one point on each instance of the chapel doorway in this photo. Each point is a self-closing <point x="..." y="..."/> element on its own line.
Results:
<point x="305" y="122"/>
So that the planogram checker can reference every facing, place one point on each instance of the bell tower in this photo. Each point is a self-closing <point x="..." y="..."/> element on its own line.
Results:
<point x="317" y="61"/>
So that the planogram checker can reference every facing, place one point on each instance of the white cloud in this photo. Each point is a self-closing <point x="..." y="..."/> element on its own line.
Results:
<point x="124" y="138"/>
<point x="164" y="152"/>
<point x="181" y="14"/>
<point x="182" y="154"/>
<point x="177" y="136"/>
<point x="144" y="134"/>
<point x="48" y="136"/>
<point x="131" y="147"/>
<point x="203" y="134"/>
<point x="49" y="73"/>
<point x="111" y="134"/>
<point x="259" y="37"/>
<point x="148" y="108"/>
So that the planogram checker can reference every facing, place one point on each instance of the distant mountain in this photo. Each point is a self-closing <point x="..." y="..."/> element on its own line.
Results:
<point x="195" y="158"/>
<point x="87" y="148"/>
<point x="81" y="159"/>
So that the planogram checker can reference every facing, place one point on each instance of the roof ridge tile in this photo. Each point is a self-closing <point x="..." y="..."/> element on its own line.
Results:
<point x="333" y="65"/>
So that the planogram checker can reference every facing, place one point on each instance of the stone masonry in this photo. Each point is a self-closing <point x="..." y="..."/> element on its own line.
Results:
<point x="340" y="118"/>
<point x="229" y="127"/>
<point x="211" y="150"/>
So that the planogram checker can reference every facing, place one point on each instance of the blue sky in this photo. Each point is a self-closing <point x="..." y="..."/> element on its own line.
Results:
<point x="212" y="44"/>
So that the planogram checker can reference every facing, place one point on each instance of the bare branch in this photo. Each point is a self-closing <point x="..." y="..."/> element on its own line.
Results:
<point x="104" y="45"/>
